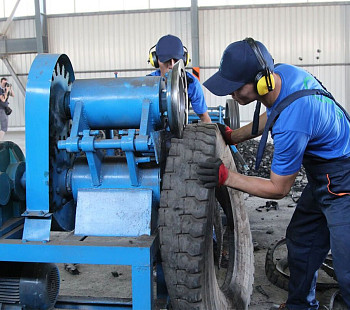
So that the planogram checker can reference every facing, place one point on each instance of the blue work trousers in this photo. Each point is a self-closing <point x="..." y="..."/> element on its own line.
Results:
<point x="320" y="222"/>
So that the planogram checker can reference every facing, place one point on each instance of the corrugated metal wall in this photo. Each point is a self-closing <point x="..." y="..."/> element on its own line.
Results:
<point x="290" y="33"/>
<point x="99" y="44"/>
<point x="114" y="41"/>
<point x="21" y="28"/>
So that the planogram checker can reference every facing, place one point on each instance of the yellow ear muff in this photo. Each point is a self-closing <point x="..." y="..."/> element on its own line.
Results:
<point x="153" y="59"/>
<point x="186" y="56"/>
<point x="264" y="80"/>
<point x="150" y="59"/>
<point x="262" y="83"/>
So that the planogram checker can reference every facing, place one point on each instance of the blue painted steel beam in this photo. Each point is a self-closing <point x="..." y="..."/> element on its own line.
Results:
<point x="120" y="251"/>
<point x="137" y="252"/>
<point x="92" y="303"/>
<point x="216" y="114"/>
<point x="142" y="284"/>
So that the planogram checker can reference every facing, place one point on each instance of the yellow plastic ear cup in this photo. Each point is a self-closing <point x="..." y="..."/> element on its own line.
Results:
<point x="261" y="85"/>
<point x="187" y="59"/>
<point x="151" y="59"/>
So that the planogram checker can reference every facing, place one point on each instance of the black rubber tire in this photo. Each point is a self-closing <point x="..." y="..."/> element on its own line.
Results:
<point x="332" y="300"/>
<point x="186" y="228"/>
<point x="276" y="268"/>
<point x="232" y="117"/>
<point x="327" y="267"/>
<point x="272" y="273"/>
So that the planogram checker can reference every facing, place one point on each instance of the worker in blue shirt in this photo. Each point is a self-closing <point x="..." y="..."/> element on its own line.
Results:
<point x="168" y="51"/>
<point x="308" y="128"/>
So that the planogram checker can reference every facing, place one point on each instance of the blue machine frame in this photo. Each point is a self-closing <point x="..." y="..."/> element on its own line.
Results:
<point x="94" y="152"/>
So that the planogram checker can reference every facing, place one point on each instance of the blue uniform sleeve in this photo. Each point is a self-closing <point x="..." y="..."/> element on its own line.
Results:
<point x="289" y="151"/>
<point x="154" y="73"/>
<point x="196" y="95"/>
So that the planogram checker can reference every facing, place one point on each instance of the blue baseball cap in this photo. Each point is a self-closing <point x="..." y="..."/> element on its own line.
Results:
<point x="169" y="47"/>
<point x="239" y="66"/>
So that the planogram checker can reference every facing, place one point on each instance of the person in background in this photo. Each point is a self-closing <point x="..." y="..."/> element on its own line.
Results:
<point x="169" y="50"/>
<point x="308" y="128"/>
<point x="5" y="91"/>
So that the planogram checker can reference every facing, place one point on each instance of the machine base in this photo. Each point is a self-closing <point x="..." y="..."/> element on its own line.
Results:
<point x="63" y="247"/>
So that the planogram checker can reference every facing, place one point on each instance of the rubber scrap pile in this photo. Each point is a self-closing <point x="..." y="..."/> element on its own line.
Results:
<point x="248" y="150"/>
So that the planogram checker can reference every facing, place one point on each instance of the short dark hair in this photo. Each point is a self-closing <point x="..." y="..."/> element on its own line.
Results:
<point x="2" y="79"/>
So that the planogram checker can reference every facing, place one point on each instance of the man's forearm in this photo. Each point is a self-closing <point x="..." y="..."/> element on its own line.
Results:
<point x="205" y="118"/>
<point x="245" y="133"/>
<point x="276" y="187"/>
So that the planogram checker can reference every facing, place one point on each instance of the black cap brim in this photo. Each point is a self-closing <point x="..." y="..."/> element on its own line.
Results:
<point x="220" y="86"/>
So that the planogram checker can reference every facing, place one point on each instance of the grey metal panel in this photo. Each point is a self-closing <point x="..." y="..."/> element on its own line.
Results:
<point x="20" y="28"/>
<point x="112" y="42"/>
<point x="289" y="32"/>
<point x="18" y="46"/>
<point x="132" y="206"/>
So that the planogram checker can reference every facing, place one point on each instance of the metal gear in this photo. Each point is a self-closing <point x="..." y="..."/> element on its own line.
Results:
<point x="61" y="201"/>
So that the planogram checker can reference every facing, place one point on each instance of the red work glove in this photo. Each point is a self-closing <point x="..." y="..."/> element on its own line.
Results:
<point x="225" y="132"/>
<point x="212" y="172"/>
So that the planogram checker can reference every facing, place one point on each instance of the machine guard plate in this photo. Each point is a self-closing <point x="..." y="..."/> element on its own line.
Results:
<point x="113" y="212"/>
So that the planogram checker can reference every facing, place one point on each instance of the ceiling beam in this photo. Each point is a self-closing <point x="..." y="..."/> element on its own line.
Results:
<point x="41" y="26"/>
<point x="9" y="19"/>
<point x="195" y="33"/>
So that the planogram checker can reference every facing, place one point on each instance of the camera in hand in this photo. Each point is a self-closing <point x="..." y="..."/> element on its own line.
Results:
<point x="8" y="85"/>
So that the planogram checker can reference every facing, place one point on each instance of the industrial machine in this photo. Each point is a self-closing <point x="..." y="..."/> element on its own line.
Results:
<point x="102" y="183"/>
<point x="228" y="115"/>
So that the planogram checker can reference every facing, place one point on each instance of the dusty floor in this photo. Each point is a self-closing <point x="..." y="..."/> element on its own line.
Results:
<point x="266" y="227"/>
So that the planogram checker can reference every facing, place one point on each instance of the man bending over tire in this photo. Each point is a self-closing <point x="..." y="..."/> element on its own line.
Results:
<point x="308" y="128"/>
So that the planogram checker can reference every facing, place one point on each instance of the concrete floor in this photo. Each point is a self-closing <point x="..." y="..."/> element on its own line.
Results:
<point x="266" y="228"/>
